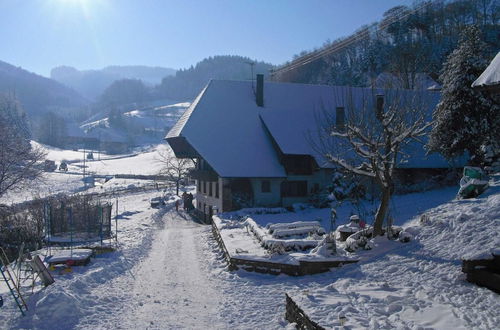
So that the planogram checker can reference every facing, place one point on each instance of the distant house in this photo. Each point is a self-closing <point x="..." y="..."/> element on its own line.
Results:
<point x="253" y="144"/>
<point x="489" y="80"/>
<point x="96" y="138"/>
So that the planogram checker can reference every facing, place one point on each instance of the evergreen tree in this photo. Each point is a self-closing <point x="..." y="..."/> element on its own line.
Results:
<point x="465" y="119"/>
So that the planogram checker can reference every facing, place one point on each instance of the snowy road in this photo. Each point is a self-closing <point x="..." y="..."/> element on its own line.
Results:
<point x="172" y="285"/>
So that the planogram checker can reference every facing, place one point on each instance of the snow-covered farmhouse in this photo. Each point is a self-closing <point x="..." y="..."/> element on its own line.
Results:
<point x="490" y="78"/>
<point x="252" y="143"/>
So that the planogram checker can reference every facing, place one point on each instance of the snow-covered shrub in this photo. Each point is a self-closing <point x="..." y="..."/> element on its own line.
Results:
<point x="404" y="237"/>
<point x="359" y="240"/>
<point x="346" y="186"/>
<point x="425" y="219"/>
<point x="326" y="248"/>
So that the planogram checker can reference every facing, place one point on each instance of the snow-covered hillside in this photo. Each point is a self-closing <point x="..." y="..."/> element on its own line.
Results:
<point x="143" y="126"/>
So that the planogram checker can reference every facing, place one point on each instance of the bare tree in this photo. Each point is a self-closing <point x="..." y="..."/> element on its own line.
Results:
<point x="174" y="169"/>
<point x="370" y="140"/>
<point x="19" y="161"/>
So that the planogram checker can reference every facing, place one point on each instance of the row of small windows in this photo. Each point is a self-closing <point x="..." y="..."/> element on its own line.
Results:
<point x="288" y="188"/>
<point x="210" y="190"/>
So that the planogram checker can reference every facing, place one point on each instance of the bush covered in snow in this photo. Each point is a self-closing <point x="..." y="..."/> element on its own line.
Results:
<point x="363" y="238"/>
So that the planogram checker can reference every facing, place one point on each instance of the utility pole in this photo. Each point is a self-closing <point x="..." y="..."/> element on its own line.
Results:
<point x="99" y="146"/>
<point x="84" y="162"/>
<point x="252" y="64"/>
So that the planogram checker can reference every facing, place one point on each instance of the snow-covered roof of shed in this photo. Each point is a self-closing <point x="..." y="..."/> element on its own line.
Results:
<point x="490" y="76"/>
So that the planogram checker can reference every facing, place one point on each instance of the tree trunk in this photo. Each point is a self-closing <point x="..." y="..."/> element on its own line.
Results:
<point x="382" y="211"/>
<point x="177" y="188"/>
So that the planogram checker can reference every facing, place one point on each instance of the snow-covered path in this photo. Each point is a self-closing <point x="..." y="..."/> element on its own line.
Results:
<point x="172" y="285"/>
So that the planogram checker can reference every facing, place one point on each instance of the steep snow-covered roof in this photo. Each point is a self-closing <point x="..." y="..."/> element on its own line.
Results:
<point x="490" y="76"/>
<point x="223" y="126"/>
<point x="226" y="127"/>
<point x="291" y="113"/>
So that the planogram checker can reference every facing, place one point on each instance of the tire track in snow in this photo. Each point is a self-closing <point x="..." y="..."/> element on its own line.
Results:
<point x="171" y="289"/>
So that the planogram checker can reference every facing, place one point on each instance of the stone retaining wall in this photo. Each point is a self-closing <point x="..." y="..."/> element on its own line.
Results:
<point x="294" y="314"/>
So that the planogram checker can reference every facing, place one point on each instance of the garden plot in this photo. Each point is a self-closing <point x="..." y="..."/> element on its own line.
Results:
<point x="241" y="243"/>
<point x="301" y="236"/>
<point x="301" y="250"/>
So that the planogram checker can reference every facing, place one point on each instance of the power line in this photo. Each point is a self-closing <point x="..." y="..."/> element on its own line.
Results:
<point x="337" y="46"/>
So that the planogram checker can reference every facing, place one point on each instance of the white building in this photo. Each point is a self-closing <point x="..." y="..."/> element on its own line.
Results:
<point x="490" y="79"/>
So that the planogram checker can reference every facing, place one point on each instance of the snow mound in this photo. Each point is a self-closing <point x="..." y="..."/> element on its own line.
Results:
<point x="462" y="228"/>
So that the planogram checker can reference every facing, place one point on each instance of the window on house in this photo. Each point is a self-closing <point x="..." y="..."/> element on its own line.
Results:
<point x="298" y="164"/>
<point x="265" y="186"/>
<point x="204" y="187"/>
<point x="340" y="118"/>
<point x="210" y="191"/>
<point x="217" y="189"/>
<point x="199" y="185"/>
<point x="294" y="188"/>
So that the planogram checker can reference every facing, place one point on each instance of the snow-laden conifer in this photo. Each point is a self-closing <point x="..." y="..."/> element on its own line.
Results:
<point x="466" y="119"/>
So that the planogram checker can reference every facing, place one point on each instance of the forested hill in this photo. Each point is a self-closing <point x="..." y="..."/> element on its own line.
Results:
<point x="37" y="94"/>
<point x="92" y="83"/>
<point x="408" y="41"/>
<point x="187" y="83"/>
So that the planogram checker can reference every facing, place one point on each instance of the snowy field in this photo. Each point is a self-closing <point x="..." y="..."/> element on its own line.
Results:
<point x="141" y="162"/>
<point x="170" y="273"/>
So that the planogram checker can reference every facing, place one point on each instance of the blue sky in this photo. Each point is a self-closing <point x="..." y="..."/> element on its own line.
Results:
<point x="90" y="34"/>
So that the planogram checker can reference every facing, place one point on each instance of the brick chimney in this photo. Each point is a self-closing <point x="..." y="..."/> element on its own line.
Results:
<point x="259" y="92"/>
<point x="379" y="107"/>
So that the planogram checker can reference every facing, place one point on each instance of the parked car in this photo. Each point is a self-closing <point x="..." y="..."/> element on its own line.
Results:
<point x="49" y="166"/>
<point x="156" y="202"/>
<point x="63" y="167"/>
